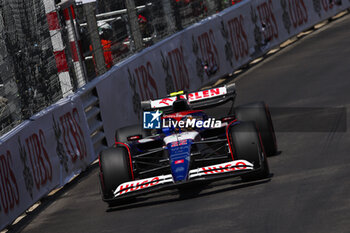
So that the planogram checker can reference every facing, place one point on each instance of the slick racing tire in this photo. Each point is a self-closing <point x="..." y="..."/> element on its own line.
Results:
<point x="114" y="170"/>
<point x="247" y="145"/>
<point x="122" y="134"/>
<point x="260" y="114"/>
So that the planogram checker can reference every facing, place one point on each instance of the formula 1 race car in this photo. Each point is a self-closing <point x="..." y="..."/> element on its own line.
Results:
<point x="188" y="145"/>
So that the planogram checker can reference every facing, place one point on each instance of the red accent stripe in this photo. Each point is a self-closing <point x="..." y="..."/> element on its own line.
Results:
<point x="99" y="162"/>
<point x="66" y="14"/>
<point x="228" y="138"/>
<point x="130" y="161"/>
<point x="80" y="48"/>
<point x="52" y="20"/>
<point x="101" y="173"/>
<point x="261" y="143"/>
<point x="74" y="51"/>
<point x="73" y="12"/>
<point x="61" y="61"/>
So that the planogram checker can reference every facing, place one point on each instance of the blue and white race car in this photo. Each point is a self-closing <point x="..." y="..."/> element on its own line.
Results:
<point x="188" y="146"/>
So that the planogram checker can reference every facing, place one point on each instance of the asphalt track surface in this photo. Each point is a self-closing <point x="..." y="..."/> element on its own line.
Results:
<point x="309" y="190"/>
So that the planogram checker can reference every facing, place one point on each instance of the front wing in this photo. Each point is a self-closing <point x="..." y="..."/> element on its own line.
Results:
<point x="236" y="167"/>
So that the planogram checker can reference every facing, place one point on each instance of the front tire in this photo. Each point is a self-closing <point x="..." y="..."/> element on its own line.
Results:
<point x="247" y="145"/>
<point x="114" y="170"/>
<point x="260" y="114"/>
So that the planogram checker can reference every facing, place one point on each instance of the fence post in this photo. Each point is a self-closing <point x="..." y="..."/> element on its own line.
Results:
<point x="89" y="11"/>
<point x="58" y="47"/>
<point x="134" y="24"/>
<point x="73" y="37"/>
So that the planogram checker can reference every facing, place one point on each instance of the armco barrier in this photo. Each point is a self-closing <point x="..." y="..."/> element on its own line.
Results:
<point x="46" y="151"/>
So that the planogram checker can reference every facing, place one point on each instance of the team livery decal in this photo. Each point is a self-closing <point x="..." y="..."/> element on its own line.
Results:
<point x="237" y="165"/>
<point x="192" y="97"/>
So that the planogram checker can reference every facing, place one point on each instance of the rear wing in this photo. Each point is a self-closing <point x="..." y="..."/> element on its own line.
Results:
<point x="198" y="100"/>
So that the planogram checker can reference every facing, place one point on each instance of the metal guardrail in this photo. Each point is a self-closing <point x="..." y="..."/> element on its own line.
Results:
<point x="92" y="111"/>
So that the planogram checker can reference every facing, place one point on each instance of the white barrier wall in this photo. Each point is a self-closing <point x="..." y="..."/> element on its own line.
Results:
<point x="47" y="151"/>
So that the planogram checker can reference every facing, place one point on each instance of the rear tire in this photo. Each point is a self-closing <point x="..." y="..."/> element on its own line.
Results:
<point x="114" y="170"/>
<point x="247" y="145"/>
<point x="260" y="114"/>
<point x="122" y="134"/>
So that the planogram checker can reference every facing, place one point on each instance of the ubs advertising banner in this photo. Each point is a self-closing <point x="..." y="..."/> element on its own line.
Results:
<point x="40" y="155"/>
